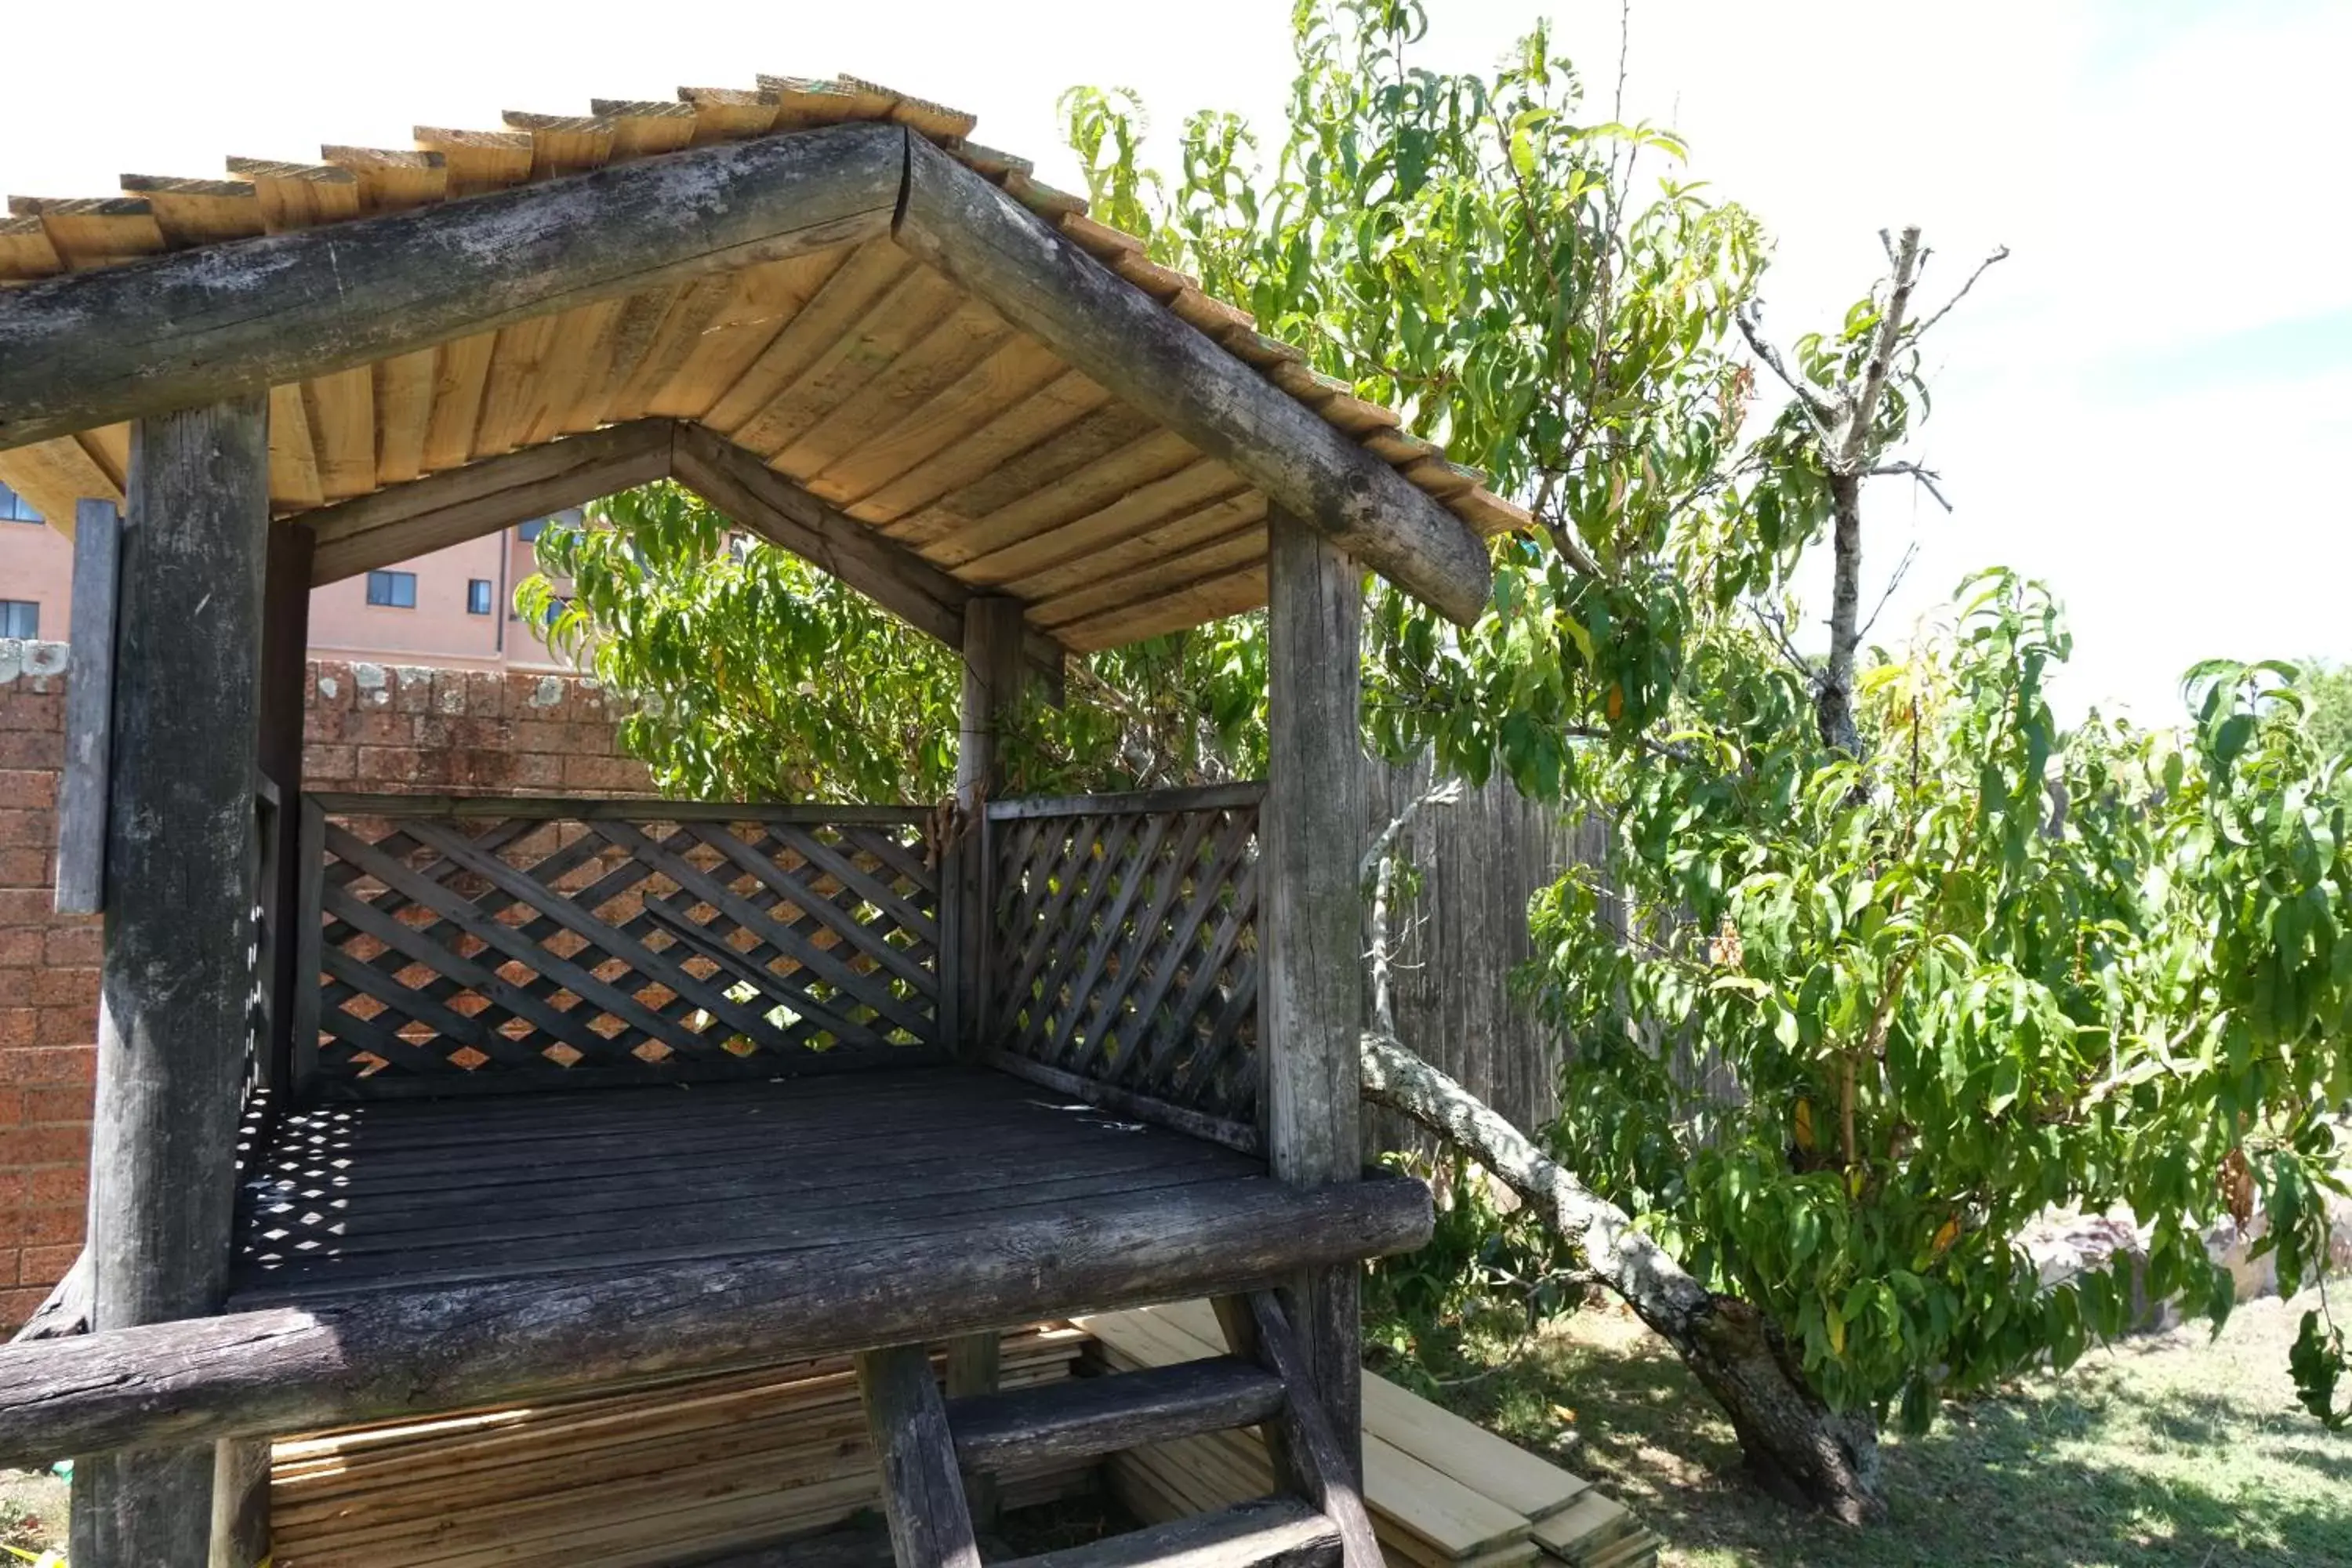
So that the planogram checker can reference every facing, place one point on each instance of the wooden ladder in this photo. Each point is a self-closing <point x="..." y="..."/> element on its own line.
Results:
<point x="925" y="1444"/>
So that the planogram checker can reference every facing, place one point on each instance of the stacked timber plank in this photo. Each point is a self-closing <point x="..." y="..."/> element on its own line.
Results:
<point x="653" y="1475"/>
<point x="1442" y="1490"/>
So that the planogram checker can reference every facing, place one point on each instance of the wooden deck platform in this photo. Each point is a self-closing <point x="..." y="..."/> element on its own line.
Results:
<point x="355" y="1198"/>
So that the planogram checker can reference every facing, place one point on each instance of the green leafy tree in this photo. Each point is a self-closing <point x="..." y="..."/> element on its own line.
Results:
<point x="758" y="677"/>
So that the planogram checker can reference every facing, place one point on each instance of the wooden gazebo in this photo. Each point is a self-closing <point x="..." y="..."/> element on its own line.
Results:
<point x="445" y="1158"/>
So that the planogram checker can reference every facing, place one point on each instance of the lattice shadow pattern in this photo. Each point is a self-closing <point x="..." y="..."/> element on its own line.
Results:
<point x="1125" y="951"/>
<point x="601" y="945"/>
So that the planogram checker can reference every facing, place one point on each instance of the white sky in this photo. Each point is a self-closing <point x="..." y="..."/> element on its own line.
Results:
<point x="2149" y="404"/>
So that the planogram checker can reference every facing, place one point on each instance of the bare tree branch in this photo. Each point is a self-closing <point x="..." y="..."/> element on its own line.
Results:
<point x="1927" y="478"/>
<point x="2000" y="253"/>
<point x="1894" y="581"/>
<point x="1817" y="404"/>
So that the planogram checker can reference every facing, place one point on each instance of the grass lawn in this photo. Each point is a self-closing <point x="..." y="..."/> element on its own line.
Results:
<point x="2174" y="1451"/>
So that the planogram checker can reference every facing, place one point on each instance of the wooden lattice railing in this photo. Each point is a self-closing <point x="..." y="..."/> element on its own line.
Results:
<point x="478" y="943"/>
<point x="1123" y="959"/>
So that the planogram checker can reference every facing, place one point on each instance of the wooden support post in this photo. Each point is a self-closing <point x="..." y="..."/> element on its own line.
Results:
<point x="89" y="710"/>
<point x="922" y="1495"/>
<point x="1312" y="999"/>
<point x="179" y="901"/>
<point x="285" y="673"/>
<point x="992" y="672"/>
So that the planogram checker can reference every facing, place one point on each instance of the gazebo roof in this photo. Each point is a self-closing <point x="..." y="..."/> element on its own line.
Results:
<point x="857" y="399"/>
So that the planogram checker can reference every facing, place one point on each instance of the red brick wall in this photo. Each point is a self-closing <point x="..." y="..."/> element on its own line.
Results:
<point x="385" y="728"/>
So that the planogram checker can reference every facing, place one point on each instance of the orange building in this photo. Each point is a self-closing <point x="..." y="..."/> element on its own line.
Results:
<point x="454" y="607"/>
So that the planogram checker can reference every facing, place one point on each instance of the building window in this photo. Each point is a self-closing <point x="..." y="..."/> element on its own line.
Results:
<point x="529" y="532"/>
<point x="477" y="596"/>
<point x="397" y="589"/>
<point x="19" y="618"/>
<point x="15" y="508"/>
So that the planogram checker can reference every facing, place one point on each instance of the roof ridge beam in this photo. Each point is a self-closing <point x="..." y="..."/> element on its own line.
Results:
<point x="1113" y="331"/>
<point x="191" y="328"/>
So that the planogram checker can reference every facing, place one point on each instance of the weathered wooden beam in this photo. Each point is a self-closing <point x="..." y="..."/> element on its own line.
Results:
<point x="179" y="902"/>
<point x="1311" y="999"/>
<point x="182" y="330"/>
<point x="922" y="1495"/>
<point x="1083" y="1417"/>
<point x="1305" y="1435"/>
<point x="89" y="710"/>
<point x="404" y="1353"/>
<point x="1111" y="330"/>
<point x="458" y="504"/>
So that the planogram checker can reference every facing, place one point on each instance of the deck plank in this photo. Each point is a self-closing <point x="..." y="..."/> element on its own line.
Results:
<point x="363" y="1198"/>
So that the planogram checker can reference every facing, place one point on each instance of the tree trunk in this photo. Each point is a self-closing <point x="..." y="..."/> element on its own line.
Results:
<point x="1795" y="1446"/>
<point x="1834" y="702"/>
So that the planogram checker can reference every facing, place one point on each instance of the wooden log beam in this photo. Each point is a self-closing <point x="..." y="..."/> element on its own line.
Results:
<point x="1312" y="998"/>
<point x="183" y="330"/>
<point x="458" y="504"/>
<point x="373" y="1356"/>
<point x="179" y="900"/>
<point x="1114" y="333"/>
<point x="788" y="517"/>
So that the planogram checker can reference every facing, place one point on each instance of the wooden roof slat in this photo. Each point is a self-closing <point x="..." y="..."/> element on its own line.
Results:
<point x="341" y="411"/>
<point x="55" y="474"/>
<point x="93" y="231"/>
<point x="690" y="310"/>
<point x="991" y="163"/>
<point x="403" y="404"/>
<point x="109" y="447"/>
<point x="198" y="212"/>
<point x="956" y="342"/>
<point x="1208" y="558"/>
<point x="729" y="113"/>
<point x="1208" y="599"/>
<point x="479" y="161"/>
<point x="507" y="396"/>
<point x="460" y="374"/>
<point x="1489" y="513"/>
<point x="837" y="304"/>
<point x="564" y="143"/>
<point x="642" y="127"/>
<point x="299" y="196"/>
<point x="1151" y="457"/>
<point x="627" y="341"/>
<point x="293" y="461"/>
<point x="1161" y="542"/>
<point x="25" y="252"/>
<point x="574" y="371"/>
<point x="1054" y="408"/>
<point x="767" y="300"/>
<point x="392" y="179"/>
<point x="904" y="314"/>
<point x="1005" y="476"/>
<point x="1014" y="369"/>
<point x="1144" y="507"/>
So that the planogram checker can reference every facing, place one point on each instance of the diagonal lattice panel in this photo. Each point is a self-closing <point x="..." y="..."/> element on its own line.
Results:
<point x="590" y="941"/>
<point x="1124" y="945"/>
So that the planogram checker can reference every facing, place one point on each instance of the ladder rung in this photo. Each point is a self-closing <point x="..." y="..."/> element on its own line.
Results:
<point x="1270" y="1532"/>
<point x="1084" y="1416"/>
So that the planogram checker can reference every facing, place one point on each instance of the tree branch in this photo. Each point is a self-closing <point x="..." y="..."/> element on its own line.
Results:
<point x="1863" y="414"/>
<point x="2000" y="253"/>
<point x="1927" y="478"/>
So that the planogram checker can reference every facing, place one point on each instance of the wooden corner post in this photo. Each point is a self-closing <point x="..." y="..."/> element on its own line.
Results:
<point x="1312" y="1001"/>
<point x="180" y="872"/>
<point x="993" y="677"/>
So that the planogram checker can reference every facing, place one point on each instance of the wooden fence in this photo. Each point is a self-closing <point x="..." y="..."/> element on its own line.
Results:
<point x="470" y="944"/>
<point x="1464" y="934"/>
